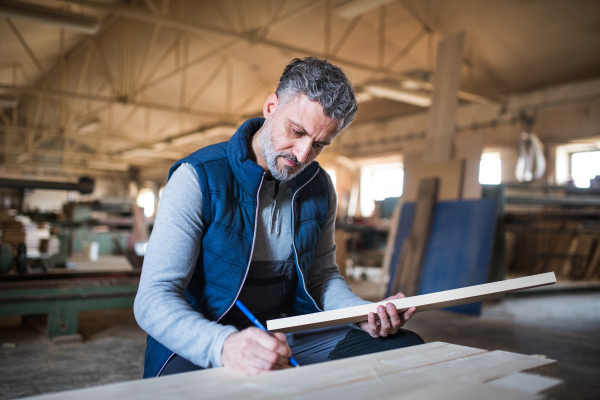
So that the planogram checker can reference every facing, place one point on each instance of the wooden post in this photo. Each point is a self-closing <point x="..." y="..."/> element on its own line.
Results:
<point x="442" y="115"/>
<point x="340" y="251"/>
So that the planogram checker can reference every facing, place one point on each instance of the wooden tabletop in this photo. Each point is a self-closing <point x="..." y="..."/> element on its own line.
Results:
<point x="430" y="371"/>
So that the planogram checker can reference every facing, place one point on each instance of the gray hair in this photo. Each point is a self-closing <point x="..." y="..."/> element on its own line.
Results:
<point x="319" y="81"/>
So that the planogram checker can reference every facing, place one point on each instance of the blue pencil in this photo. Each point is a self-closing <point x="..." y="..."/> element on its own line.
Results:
<point x="259" y="325"/>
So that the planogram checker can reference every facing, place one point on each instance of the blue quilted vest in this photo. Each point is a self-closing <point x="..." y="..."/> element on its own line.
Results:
<point x="230" y="183"/>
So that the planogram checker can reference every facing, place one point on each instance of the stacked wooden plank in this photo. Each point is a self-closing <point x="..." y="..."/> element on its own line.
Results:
<point x="38" y="240"/>
<point x="13" y="231"/>
<point x="431" y="371"/>
<point x="32" y="236"/>
<point x="570" y="248"/>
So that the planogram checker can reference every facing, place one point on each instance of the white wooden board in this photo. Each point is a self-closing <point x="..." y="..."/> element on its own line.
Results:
<point x="459" y="389"/>
<point x="530" y="383"/>
<point x="390" y="374"/>
<point x="478" y="368"/>
<point x="425" y="302"/>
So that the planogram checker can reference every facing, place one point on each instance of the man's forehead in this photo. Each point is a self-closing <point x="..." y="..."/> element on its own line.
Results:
<point x="309" y="115"/>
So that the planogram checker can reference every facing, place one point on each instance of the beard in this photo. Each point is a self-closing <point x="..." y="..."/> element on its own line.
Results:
<point x="271" y="155"/>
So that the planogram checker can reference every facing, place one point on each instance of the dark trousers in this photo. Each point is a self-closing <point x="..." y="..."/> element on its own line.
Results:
<point x="320" y="345"/>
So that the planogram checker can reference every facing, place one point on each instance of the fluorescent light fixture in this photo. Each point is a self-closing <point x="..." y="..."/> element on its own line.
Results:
<point x="91" y="126"/>
<point x="226" y="132"/>
<point x="364" y="96"/>
<point x="475" y="98"/>
<point x="47" y="15"/>
<point x="107" y="165"/>
<point x="160" y="146"/>
<point x="149" y="153"/>
<point x="396" y="94"/>
<point x="187" y="139"/>
<point x="8" y="101"/>
<point x="23" y="157"/>
<point x="409" y="84"/>
<point x="220" y="131"/>
<point x="352" y="8"/>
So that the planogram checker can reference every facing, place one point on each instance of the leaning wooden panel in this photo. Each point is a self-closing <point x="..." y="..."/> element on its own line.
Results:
<point x="425" y="302"/>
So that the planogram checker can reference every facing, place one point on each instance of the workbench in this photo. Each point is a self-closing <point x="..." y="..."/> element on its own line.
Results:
<point x="61" y="296"/>
<point x="430" y="371"/>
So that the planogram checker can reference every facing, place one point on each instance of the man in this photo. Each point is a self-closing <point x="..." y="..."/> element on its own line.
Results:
<point x="253" y="219"/>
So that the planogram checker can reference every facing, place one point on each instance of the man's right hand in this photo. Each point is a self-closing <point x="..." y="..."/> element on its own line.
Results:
<point x="253" y="351"/>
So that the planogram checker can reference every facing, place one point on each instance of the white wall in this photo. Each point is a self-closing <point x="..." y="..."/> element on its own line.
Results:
<point x="562" y="113"/>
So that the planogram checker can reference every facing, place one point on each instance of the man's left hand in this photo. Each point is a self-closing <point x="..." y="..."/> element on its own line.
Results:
<point x="389" y="319"/>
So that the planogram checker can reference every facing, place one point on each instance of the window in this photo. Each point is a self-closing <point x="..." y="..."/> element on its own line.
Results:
<point x="490" y="169"/>
<point x="378" y="182"/>
<point x="331" y="173"/>
<point x="145" y="200"/>
<point x="585" y="166"/>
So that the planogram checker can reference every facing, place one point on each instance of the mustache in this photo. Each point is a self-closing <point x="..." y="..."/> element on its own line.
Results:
<point x="291" y="158"/>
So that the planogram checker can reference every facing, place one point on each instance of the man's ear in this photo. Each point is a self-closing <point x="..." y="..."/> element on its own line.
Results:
<point x="271" y="106"/>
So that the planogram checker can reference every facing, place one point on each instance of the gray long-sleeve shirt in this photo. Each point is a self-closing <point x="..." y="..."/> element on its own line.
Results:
<point x="172" y="252"/>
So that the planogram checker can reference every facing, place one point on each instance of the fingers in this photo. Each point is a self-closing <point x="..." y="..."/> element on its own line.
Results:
<point x="384" y="320"/>
<point x="253" y="351"/>
<point x="395" y="319"/>
<point x="373" y="328"/>
<point x="277" y="344"/>
<point x="272" y="349"/>
<point x="395" y="297"/>
<point x="280" y="336"/>
<point x="266" y="359"/>
<point x="387" y="320"/>
<point x="406" y="315"/>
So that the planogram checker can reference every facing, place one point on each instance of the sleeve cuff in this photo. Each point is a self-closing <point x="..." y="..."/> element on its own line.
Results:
<point x="218" y="345"/>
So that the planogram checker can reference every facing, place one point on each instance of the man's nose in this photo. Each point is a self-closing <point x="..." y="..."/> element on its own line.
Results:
<point x="303" y="150"/>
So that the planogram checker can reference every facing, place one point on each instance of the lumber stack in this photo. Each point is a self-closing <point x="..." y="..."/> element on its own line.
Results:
<point x="13" y="233"/>
<point x="555" y="246"/>
<point x="17" y="229"/>
<point x="430" y="371"/>
<point x="38" y="240"/>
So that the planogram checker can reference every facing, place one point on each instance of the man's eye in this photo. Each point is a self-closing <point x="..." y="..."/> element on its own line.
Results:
<point x="319" y="146"/>
<point x="297" y="133"/>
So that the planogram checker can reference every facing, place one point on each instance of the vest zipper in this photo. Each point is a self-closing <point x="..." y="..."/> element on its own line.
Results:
<point x="252" y="249"/>
<point x="294" y="243"/>
<point x="165" y="364"/>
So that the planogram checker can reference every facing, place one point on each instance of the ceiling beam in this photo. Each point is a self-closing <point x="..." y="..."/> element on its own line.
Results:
<point x="33" y="12"/>
<point x="89" y="157"/>
<point x="21" y="89"/>
<point x="45" y="169"/>
<point x="60" y="154"/>
<point x="20" y="131"/>
<point x="29" y="51"/>
<point x="196" y="27"/>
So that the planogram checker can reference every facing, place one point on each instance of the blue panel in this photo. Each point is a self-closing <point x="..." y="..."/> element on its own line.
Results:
<point x="460" y="246"/>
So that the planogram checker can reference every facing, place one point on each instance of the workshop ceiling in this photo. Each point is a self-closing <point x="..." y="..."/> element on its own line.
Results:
<point x="162" y="78"/>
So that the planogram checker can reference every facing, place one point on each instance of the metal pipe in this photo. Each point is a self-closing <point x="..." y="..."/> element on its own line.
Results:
<point x="84" y="186"/>
<point x="53" y="16"/>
